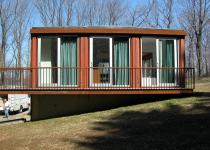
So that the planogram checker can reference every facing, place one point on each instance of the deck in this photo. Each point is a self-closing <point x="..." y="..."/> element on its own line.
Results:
<point x="96" y="80"/>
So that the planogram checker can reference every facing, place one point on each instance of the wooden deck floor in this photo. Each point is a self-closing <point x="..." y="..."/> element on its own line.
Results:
<point x="100" y="92"/>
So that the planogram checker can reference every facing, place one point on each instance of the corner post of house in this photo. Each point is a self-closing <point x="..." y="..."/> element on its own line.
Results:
<point x="135" y="62"/>
<point x="182" y="61"/>
<point x="33" y="68"/>
<point x="84" y="62"/>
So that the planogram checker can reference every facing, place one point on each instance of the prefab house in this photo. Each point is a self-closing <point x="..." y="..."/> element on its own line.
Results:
<point x="107" y="59"/>
<point x="103" y="61"/>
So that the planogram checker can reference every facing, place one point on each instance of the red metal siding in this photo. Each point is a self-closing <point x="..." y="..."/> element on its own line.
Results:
<point x="84" y="61"/>
<point x="34" y="56"/>
<point x="135" y="55"/>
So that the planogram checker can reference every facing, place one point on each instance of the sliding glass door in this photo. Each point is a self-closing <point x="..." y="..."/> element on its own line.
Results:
<point x="159" y="61"/>
<point x="57" y="57"/>
<point x="109" y="61"/>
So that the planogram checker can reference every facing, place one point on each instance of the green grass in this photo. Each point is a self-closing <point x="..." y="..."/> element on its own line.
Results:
<point x="179" y="123"/>
<point x="203" y="80"/>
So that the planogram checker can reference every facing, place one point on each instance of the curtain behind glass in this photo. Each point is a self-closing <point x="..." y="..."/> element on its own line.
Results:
<point x="167" y="75"/>
<point x="121" y="62"/>
<point x="68" y="61"/>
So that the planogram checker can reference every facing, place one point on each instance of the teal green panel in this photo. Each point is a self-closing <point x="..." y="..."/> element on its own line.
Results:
<point x="167" y="73"/>
<point x="68" y="61"/>
<point x="121" y="61"/>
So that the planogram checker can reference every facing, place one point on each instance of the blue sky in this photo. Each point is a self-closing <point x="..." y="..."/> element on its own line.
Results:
<point x="36" y="22"/>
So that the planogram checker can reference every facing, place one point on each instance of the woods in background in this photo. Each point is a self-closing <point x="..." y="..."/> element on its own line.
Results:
<point x="18" y="16"/>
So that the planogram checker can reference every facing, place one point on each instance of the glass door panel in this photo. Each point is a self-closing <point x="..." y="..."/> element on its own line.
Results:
<point x="100" y="61"/>
<point x="149" y="61"/>
<point x="48" y="73"/>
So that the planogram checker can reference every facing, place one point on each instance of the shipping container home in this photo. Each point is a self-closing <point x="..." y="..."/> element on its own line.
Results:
<point x="103" y="60"/>
<point x="82" y="69"/>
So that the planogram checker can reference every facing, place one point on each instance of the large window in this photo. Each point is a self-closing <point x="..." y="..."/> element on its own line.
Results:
<point x="159" y="61"/>
<point x="109" y="61"/>
<point x="57" y="61"/>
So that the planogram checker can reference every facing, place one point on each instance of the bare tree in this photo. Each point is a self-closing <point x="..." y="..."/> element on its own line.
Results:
<point x="167" y="13"/>
<point x="101" y="16"/>
<point x="6" y="21"/>
<point x="46" y="9"/>
<point x="201" y="10"/>
<point x="55" y="12"/>
<point x="69" y="10"/>
<point x="90" y="13"/>
<point x="20" y="27"/>
<point x="138" y="15"/>
<point x="185" y="20"/>
<point x="206" y="50"/>
<point x="115" y="10"/>
<point x="197" y="17"/>
<point x="59" y="12"/>
<point x="154" y="18"/>
<point x="80" y="13"/>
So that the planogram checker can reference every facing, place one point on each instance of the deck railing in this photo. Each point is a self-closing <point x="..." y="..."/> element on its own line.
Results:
<point x="96" y="78"/>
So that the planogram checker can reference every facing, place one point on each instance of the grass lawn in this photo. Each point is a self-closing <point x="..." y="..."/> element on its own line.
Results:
<point x="177" y="123"/>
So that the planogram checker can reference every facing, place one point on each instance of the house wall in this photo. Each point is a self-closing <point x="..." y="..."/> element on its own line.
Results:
<point x="83" y="44"/>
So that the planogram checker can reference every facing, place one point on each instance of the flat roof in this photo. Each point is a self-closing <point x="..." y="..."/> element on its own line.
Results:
<point x="106" y="30"/>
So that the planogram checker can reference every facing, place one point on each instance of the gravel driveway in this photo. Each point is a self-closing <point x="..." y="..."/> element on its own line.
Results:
<point x="14" y="116"/>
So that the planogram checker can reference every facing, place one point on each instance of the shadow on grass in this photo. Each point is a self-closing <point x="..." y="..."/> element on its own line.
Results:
<point x="173" y="128"/>
<point x="201" y="94"/>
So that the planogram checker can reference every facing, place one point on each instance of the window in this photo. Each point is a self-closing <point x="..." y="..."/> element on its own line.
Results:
<point x="57" y="61"/>
<point x="109" y="61"/>
<point x="159" y="61"/>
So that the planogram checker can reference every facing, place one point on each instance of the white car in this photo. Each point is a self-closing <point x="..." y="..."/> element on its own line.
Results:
<point x="1" y="105"/>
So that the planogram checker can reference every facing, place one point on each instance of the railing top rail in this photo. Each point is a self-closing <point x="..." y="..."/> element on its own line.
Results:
<point x="136" y="77"/>
<point x="15" y="68"/>
<point x="29" y="68"/>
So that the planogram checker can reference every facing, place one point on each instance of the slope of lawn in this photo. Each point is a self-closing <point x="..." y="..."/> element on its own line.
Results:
<point x="178" y="123"/>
